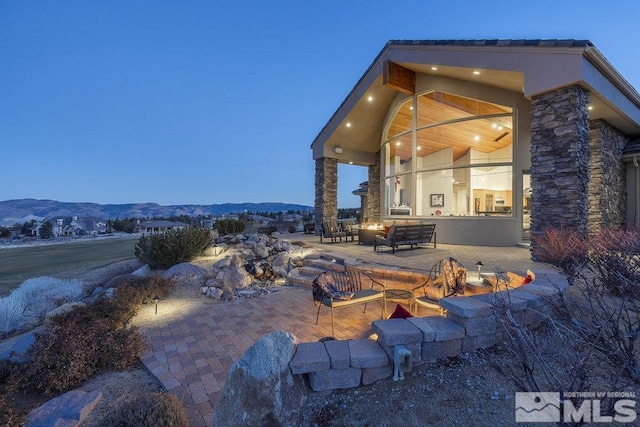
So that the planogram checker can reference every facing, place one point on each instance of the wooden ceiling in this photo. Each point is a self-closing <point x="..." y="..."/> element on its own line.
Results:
<point x="484" y="135"/>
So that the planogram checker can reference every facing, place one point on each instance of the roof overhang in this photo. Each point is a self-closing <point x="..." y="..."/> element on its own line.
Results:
<point x="529" y="67"/>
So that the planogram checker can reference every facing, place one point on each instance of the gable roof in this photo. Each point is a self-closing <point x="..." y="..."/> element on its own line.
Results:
<point x="527" y="66"/>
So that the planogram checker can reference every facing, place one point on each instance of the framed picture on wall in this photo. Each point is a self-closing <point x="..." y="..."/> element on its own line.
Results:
<point x="437" y="200"/>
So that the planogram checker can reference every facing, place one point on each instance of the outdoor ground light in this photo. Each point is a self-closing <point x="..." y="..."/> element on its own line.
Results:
<point x="479" y="265"/>
<point x="155" y="300"/>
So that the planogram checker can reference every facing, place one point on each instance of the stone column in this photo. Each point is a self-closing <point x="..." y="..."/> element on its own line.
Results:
<point x="373" y="199"/>
<point x="326" y="201"/>
<point x="364" y="209"/>
<point x="607" y="183"/>
<point x="559" y="161"/>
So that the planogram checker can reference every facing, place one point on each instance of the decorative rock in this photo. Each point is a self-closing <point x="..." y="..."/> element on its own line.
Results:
<point x="67" y="410"/>
<point x="261" y="250"/>
<point x="185" y="271"/>
<point x="214" y="283"/>
<point x="214" y="293"/>
<point x="260" y="388"/>
<point x="144" y="271"/>
<point x="236" y="277"/>
<point x="18" y="348"/>
<point x="280" y="264"/>
<point x="222" y="263"/>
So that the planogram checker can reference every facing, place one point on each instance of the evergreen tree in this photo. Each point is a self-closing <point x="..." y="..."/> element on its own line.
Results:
<point x="46" y="232"/>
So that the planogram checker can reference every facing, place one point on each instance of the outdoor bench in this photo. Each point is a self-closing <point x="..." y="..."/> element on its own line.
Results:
<point x="407" y="234"/>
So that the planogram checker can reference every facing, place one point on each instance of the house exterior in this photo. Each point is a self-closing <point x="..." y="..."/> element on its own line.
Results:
<point x="159" y="226"/>
<point x="78" y="226"/>
<point x="491" y="140"/>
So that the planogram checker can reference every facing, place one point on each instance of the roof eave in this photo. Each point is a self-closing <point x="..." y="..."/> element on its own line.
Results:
<point x="605" y="67"/>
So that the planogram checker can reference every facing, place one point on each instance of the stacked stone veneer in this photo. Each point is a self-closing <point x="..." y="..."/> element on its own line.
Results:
<point x="559" y="161"/>
<point x="470" y="323"/>
<point x="326" y="197"/>
<point x="607" y="192"/>
<point x="373" y="196"/>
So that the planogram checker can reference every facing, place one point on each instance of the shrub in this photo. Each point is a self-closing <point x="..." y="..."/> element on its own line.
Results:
<point x="615" y="258"/>
<point x="148" y="410"/>
<point x="229" y="226"/>
<point x="564" y="248"/>
<point x="86" y="340"/>
<point x="171" y="248"/>
<point x="81" y="343"/>
<point x="26" y="306"/>
<point x="267" y="230"/>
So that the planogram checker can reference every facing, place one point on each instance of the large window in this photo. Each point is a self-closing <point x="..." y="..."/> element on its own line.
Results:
<point x="457" y="160"/>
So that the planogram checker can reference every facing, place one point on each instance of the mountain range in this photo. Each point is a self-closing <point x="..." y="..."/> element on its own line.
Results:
<point x="21" y="210"/>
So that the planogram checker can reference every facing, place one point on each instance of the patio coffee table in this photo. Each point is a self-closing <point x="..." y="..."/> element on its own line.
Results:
<point x="401" y="296"/>
<point x="367" y="236"/>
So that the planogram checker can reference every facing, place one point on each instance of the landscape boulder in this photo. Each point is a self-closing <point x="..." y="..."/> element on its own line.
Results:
<point x="235" y="277"/>
<point x="260" y="389"/>
<point x="261" y="250"/>
<point x="185" y="271"/>
<point x="144" y="271"/>
<point x="67" y="410"/>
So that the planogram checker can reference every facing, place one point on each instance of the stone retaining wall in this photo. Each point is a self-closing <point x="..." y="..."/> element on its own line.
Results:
<point x="470" y="323"/>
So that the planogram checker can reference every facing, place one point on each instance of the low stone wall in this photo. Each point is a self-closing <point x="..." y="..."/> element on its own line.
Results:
<point x="470" y="323"/>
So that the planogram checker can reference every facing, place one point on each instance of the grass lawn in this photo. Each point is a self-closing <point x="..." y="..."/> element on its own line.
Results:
<point x="66" y="260"/>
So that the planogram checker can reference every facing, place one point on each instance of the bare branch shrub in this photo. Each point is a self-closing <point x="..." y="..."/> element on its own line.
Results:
<point x="564" y="248"/>
<point x="591" y="331"/>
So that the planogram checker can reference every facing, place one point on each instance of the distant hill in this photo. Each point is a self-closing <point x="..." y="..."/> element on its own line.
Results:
<point x="12" y="211"/>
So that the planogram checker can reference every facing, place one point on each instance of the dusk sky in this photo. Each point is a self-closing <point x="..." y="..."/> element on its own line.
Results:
<point x="202" y="102"/>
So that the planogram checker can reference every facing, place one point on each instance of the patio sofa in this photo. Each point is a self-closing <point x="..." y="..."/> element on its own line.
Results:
<point x="407" y="234"/>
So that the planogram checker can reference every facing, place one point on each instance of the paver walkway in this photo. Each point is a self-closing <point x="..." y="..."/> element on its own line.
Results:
<point x="194" y="341"/>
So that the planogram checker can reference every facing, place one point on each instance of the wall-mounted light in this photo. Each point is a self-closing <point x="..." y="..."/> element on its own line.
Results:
<point x="337" y="150"/>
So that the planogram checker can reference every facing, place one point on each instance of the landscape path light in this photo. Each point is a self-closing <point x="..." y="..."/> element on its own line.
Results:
<point x="479" y="265"/>
<point x="155" y="300"/>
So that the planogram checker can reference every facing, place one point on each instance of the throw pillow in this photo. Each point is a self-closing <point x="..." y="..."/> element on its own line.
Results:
<point x="386" y="231"/>
<point x="400" y="313"/>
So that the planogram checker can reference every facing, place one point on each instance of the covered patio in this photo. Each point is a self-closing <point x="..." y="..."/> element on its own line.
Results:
<point x="491" y="140"/>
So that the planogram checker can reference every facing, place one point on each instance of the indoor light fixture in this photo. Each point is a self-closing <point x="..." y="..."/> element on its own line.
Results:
<point x="434" y="68"/>
<point x="477" y="73"/>
<point x="370" y="98"/>
<point x="337" y="150"/>
<point x="398" y="144"/>
<point x="348" y="124"/>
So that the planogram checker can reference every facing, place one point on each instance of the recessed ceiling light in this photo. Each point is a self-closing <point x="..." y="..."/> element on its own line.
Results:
<point x="348" y="124"/>
<point x="411" y="107"/>
<point x="493" y="125"/>
<point x="350" y="163"/>
<point x="398" y="144"/>
<point x="418" y="148"/>
<point x="476" y="138"/>
<point x="370" y="98"/>
<point x="590" y="107"/>
<point x="500" y="128"/>
<point x="477" y="73"/>
<point x="434" y="68"/>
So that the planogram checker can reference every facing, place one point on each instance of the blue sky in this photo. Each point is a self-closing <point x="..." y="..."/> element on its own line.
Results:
<point x="205" y="102"/>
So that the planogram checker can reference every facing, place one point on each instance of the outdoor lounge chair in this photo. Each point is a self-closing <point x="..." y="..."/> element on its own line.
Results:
<point x="343" y="289"/>
<point x="447" y="278"/>
<point x="332" y="230"/>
